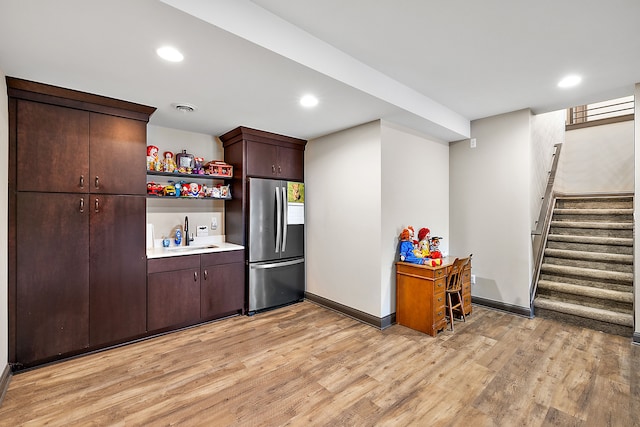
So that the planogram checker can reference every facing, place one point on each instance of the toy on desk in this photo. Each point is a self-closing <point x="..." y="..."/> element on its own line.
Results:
<point x="407" y="253"/>
<point x="169" y="163"/>
<point x="422" y="251"/>
<point x="435" y="247"/>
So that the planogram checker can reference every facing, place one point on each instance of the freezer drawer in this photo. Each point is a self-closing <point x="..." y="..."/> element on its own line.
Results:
<point x="275" y="283"/>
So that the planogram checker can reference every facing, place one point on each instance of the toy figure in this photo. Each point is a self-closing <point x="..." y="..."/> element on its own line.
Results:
<point x="169" y="164"/>
<point x="435" y="250"/>
<point x="198" y="162"/>
<point x="193" y="189"/>
<point x="152" y="157"/>
<point x="406" y="247"/>
<point x="422" y="251"/>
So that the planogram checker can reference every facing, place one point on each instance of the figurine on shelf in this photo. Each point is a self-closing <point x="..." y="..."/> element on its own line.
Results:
<point x="169" y="163"/>
<point x="152" y="157"/>
<point x="198" y="165"/>
<point x="193" y="189"/>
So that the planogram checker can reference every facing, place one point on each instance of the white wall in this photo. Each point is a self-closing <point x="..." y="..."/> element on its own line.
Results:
<point x="490" y="214"/>
<point x="415" y="191"/>
<point x="4" y="211"/>
<point x="636" y="201"/>
<point x="546" y="131"/>
<point x="167" y="214"/>
<point x="342" y="245"/>
<point x="597" y="159"/>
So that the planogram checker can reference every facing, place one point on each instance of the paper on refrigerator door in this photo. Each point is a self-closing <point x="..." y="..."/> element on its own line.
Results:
<point x="295" y="203"/>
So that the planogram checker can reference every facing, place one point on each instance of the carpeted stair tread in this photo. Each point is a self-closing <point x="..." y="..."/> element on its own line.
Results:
<point x="594" y="225"/>
<point x="587" y="272"/>
<point x="595" y="240"/>
<point x="617" y="318"/>
<point x="587" y="291"/>
<point x="574" y="211"/>
<point x="589" y="256"/>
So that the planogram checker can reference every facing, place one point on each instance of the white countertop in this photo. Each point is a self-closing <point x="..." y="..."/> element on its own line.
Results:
<point x="200" y="246"/>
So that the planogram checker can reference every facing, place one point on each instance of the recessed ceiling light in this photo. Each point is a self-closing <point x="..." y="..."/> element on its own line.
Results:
<point x="570" y="81"/>
<point x="170" y="54"/>
<point x="308" y="101"/>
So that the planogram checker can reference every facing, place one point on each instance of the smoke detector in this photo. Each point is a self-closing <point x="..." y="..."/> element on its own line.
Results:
<point x="184" y="107"/>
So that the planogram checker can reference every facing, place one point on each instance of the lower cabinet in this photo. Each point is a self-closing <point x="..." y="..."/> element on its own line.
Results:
<point x="185" y="290"/>
<point x="222" y="284"/>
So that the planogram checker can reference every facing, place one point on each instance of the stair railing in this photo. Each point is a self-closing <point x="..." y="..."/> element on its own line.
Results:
<point x="539" y="235"/>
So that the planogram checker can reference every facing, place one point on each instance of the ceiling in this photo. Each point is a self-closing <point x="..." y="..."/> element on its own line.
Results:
<point x="429" y="65"/>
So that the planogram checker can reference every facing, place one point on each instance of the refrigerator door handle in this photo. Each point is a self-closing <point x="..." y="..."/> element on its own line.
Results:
<point x="278" y="220"/>
<point x="285" y="219"/>
<point x="276" y="264"/>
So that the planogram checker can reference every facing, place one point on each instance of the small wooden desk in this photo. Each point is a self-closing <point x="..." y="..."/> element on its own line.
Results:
<point x="420" y="296"/>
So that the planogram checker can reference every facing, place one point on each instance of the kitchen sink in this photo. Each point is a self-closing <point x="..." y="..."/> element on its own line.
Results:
<point x="190" y="248"/>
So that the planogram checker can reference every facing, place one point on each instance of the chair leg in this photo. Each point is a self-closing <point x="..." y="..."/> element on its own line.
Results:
<point x="464" y="318"/>
<point x="450" y="310"/>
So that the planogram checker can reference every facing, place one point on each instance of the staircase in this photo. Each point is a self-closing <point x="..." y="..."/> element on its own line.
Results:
<point x="586" y="276"/>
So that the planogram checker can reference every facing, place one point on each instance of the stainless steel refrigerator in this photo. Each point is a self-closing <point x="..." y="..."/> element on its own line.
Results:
<point x="276" y="243"/>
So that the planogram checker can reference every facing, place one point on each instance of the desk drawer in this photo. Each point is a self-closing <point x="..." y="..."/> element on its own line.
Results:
<point x="439" y="285"/>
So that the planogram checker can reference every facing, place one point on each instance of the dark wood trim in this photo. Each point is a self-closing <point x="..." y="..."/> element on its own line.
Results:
<point x="509" y="308"/>
<point x="5" y="379"/>
<point x="40" y="92"/>
<point x="636" y="338"/>
<point x="377" y="322"/>
<point x="607" y="121"/>
<point x="244" y="133"/>
<point x="12" y="225"/>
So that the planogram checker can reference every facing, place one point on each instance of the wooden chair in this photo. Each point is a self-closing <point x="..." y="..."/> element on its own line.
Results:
<point x="454" y="286"/>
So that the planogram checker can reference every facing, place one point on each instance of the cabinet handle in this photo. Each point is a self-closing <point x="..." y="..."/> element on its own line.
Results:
<point x="273" y="168"/>
<point x="81" y="204"/>
<point x="81" y="181"/>
<point x="279" y="170"/>
<point x="97" y="205"/>
<point x="97" y="182"/>
<point x="205" y="275"/>
<point x="195" y="276"/>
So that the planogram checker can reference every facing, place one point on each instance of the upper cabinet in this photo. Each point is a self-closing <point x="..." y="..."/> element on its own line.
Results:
<point x="268" y="155"/>
<point x="259" y="154"/>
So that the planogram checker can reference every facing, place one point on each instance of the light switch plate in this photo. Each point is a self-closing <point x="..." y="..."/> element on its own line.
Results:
<point x="202" y="231"/>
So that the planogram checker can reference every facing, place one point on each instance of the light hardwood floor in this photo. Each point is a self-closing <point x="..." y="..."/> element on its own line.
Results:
<point x="306" y="365"/>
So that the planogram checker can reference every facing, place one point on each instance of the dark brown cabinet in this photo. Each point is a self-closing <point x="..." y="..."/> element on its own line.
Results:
<point x="117" y="268"/>
<point x="173" y="287"/>
<point x="256" y="153"/>
<point x="222" y="284"/>
<point x="52" y="301"/>
<point x="265" y="160"/>
<point x="77" y="207"/>
<point x="189" y="289"/>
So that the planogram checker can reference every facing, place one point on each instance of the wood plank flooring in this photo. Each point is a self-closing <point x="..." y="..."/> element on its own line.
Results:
<point x="304" y="365"/>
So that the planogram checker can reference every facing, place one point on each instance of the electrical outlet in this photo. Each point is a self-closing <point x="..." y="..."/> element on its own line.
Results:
<point x="473" y="279"/>
<point x="472" y="143"/>
<point x="214" y="223"/>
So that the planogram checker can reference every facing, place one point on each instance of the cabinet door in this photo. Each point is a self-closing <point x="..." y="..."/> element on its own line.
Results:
<point x="262" y="160"/>
<point x="118" y="272"/>
<point x="52" y="148"/>
<point x="118" y="155"/>
<point x="222" y="290"/>
<point x="52" y="295"/>
<point x="290" y="164"/>
<point x="173" y="298"/>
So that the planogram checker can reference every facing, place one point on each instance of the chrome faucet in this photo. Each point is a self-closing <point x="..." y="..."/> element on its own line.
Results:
<point x="187" y="237"/>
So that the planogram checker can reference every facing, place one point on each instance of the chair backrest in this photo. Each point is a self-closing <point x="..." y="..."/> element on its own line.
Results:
<point x="454" y="278"/>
